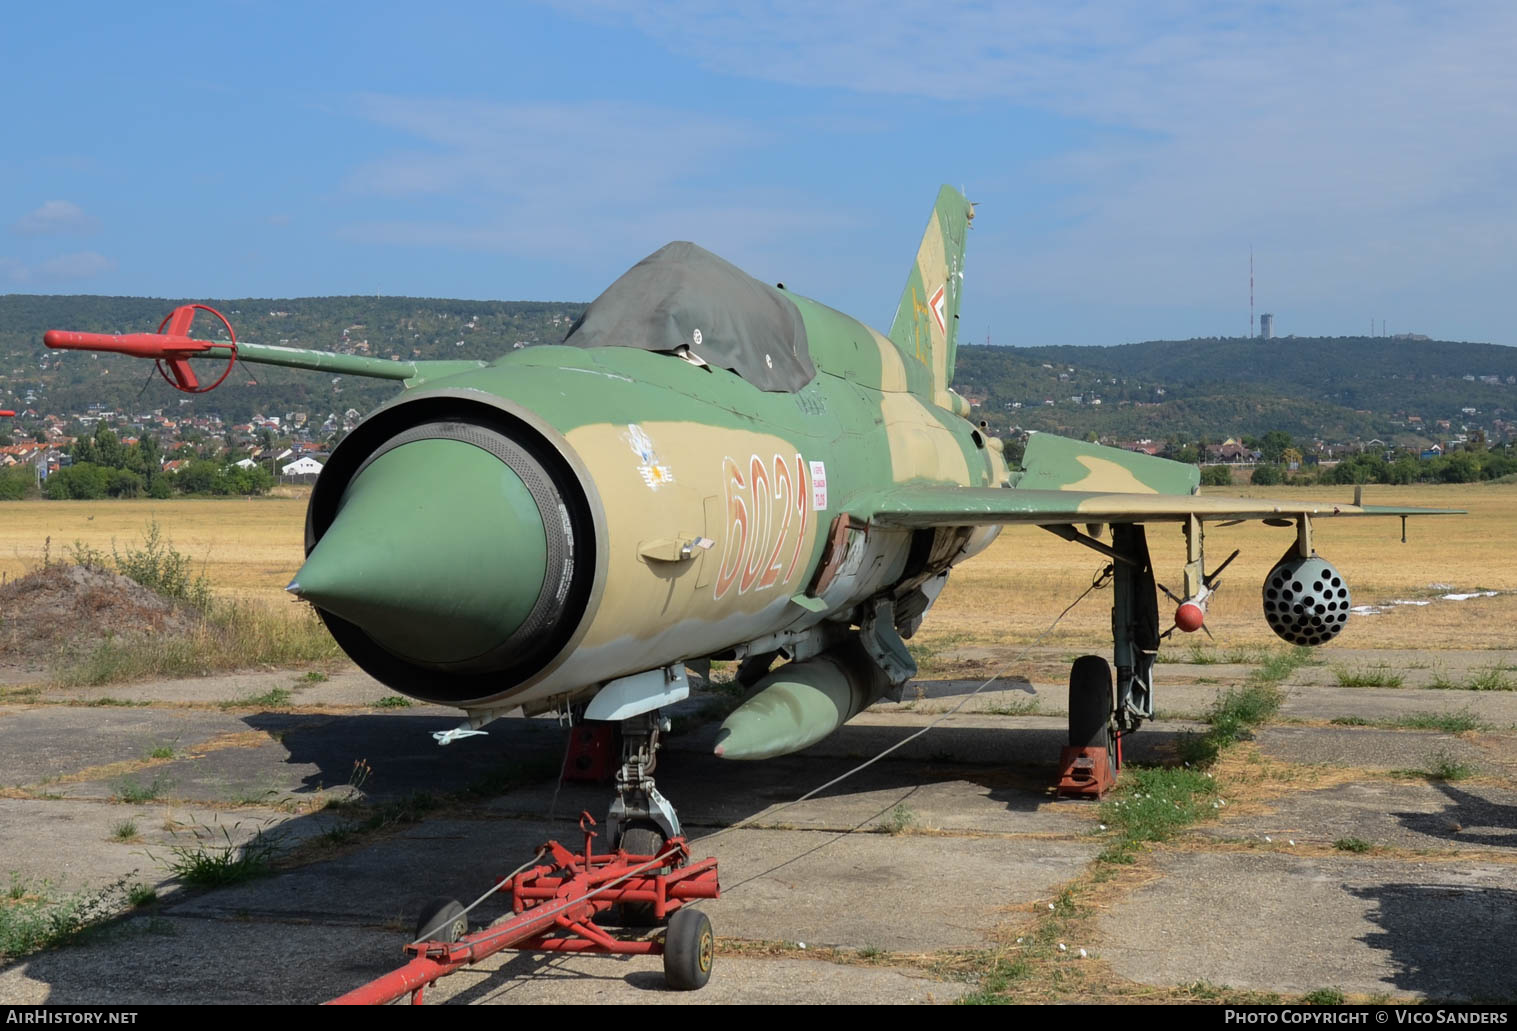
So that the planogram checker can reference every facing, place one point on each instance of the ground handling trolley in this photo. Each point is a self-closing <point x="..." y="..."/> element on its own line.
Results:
<point x="553" y="908"/>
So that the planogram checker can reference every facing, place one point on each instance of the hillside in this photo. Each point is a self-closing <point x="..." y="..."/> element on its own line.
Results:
<point x="1341" y="388"/>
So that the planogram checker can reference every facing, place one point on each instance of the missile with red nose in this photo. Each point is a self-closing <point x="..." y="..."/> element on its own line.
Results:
<point x="1191" y="615"/>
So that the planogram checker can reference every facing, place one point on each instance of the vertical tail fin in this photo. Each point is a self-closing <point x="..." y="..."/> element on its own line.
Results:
<point x="926" y="320"/>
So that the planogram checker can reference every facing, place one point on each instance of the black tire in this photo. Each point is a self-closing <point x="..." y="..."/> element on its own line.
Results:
<point x="1090" y="703"/>
<point x="642" y="839"/>
<point x="689" y="950"/>
<point x="441" y="919"/>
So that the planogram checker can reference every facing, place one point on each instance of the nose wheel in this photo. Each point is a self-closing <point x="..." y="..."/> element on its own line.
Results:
<point x="642" y="840"/>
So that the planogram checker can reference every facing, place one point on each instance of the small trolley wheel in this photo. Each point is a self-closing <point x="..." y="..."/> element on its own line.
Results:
<point x="689" y="948"/>
<point x="1090" y="703"/>
<point x="442" y="919"/>
<point x="641" y="840"/>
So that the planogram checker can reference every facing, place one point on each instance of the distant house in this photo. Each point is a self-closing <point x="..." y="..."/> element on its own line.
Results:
<point x="1436" y="451"/>
<point x="1231" y="451"/>
<point x="301" y="467"/>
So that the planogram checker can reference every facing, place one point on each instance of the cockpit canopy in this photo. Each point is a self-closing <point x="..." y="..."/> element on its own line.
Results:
<point x="684" y="298"/>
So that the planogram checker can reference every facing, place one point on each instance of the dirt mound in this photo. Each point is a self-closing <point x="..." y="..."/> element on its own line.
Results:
<point x="65" y="608"/>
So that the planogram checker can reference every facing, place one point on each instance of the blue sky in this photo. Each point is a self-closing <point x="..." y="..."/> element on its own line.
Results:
<point x="1125" y="156"/>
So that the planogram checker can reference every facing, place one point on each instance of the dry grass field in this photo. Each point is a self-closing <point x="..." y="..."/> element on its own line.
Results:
<point x="251" y="548"/>
<point x="247" y="548"/>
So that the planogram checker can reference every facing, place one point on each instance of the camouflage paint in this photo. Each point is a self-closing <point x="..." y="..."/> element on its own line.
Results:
<point x="712" y="500"/>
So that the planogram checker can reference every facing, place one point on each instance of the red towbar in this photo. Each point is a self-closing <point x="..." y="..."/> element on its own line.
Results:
<point x="554" y="907"/>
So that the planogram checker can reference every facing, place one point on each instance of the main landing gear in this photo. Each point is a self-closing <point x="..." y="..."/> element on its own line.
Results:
<point x="1100" y="713"/>
<point x="1094" y="754"/>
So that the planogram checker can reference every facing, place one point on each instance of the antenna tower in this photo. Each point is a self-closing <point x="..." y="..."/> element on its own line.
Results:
<point x="1250" y="291"/>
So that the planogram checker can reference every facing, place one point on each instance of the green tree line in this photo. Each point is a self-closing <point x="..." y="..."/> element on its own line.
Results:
<point x="104" y="467"/>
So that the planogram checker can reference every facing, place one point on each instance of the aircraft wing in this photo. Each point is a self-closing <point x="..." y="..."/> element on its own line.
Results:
<point x="1070" y="481"/>
<point x="913" y="506"/>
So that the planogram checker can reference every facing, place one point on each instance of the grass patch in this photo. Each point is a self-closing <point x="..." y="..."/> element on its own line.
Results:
<point x="312" y="676"/>
<point x="209" y="863"/>
<point x="1459" y="722"/>
<point x="1352" y="845"/>
<point x="1014" y="707"/>
<point x="1239" y="709"/>
<point x="1376" y="676"/>
<point x="34" y="917"/>
<point x="1232" y="717"/>
<point x="232" y="635"/>
<point x="275" y="698"/>
<point x="1200" y="655"/>
<point x="369" y="819"/>
<point x="393" y="701"/>
<point x="126" y="830"/>
<point x="1350" y="721"/>
<point x="1154" y="804"/>
<point x="1493" y="679"/>
<point x="1278" y="665"/>
<point x="1323" y="997"/>
<point x="134" y="792"/>
<point x="161" y="752"/>
<point x="140" y="894"/>
<point x="1443" y="764"/>
<point x="900" y="820"/>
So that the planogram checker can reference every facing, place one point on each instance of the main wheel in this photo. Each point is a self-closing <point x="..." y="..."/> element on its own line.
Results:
<point x="642" y="839"/>
<point x="1090" y="703"/>
<point x="442" y="919"/>
<point x="689" y="949"/>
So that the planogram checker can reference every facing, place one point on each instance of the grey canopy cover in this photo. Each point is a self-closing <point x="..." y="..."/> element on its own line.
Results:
<point x="684" y="296"/>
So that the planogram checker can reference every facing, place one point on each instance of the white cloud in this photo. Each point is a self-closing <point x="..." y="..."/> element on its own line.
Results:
<point x="80" y="265"/>
<point x="56" y="217"/>
<point x="1360" y="138"/>
<point x="602" y="151"/>
<point x="581" y="180"/>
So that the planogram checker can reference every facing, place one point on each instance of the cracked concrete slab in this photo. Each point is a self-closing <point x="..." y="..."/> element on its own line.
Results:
<point x="1274" y="922"/>
<point x="1363" y="747"/>
<point x="1404" y="814"/>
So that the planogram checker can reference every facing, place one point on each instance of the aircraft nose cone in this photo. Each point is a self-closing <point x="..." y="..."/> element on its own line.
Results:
<point x="438" y="552"/>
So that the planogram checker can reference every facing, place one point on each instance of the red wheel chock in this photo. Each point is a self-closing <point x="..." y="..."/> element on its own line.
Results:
<point x="1085" y="773"/>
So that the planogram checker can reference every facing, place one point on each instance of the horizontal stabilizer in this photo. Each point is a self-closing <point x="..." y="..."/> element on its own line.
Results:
<point x="1058" y="463"/>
